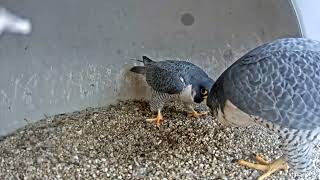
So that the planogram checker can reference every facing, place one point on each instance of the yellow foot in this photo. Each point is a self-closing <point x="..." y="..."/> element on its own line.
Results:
<point x="197" y="114"/>
<point x="157" y="119"/>
<point x="266" y="167"/>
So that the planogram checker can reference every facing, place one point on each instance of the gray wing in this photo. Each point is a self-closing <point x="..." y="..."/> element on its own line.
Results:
<point x="279" y="86"/>
<point x="164" y="80"/>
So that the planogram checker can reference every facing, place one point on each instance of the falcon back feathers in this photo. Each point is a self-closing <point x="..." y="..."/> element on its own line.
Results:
<point x="172" y="80"/>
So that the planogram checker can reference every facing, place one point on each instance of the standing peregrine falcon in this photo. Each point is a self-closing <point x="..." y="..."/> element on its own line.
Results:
<point x="174" y="80"/>
<point x="275" y="85"/>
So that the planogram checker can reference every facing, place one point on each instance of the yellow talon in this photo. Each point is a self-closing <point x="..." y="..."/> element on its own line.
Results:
<point x="266" y="167"/>
<point x="196" y="114"/>
<point x="158" y="119"/>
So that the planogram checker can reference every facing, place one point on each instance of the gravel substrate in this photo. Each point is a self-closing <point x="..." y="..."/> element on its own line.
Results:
<point x="117" y="143"/>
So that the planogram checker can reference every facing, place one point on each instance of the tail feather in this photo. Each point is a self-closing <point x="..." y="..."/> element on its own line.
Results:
<point x="138" y="69"/>
<point x="141" y="69"/>
<point x="146" y="60"/>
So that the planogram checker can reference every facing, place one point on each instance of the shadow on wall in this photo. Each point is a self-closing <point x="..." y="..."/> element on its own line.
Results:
<point x="133" y="86"/>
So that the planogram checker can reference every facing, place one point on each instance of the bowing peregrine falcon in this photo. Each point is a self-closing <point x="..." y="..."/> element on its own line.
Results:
<point x="275" y="85"/>
<point x="173" y="80"/>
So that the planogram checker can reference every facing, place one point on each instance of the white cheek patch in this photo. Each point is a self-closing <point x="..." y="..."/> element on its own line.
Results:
<point x="186" y="94"/>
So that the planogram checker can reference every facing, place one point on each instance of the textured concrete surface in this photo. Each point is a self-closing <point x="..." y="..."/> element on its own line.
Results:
<point x="77" y="54"/>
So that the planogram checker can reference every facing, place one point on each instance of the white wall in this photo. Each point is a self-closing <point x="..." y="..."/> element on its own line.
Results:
<point x="309" y="16"/>
<point x="78" y="53"/>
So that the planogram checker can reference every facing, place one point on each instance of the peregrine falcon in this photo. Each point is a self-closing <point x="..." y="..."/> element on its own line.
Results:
<point x="275" y="85"/>
<point x="173" y="80"/>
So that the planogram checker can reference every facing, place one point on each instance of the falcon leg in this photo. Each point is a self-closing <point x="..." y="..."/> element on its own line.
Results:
<point x="194" y="113"/>
<point x="156" y="119"/>
<point x="266" y="167"/>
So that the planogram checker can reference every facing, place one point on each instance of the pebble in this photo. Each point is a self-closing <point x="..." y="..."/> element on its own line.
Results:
<point x="116" y="142"/>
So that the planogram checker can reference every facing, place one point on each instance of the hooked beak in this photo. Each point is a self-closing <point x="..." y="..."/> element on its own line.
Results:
<point x="205" y="98"/>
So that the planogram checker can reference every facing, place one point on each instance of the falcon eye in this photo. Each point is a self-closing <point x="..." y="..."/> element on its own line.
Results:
<point x="204" y="92"/>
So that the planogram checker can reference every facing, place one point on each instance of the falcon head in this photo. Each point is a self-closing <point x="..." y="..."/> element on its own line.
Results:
<point x="201" y="89"/>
